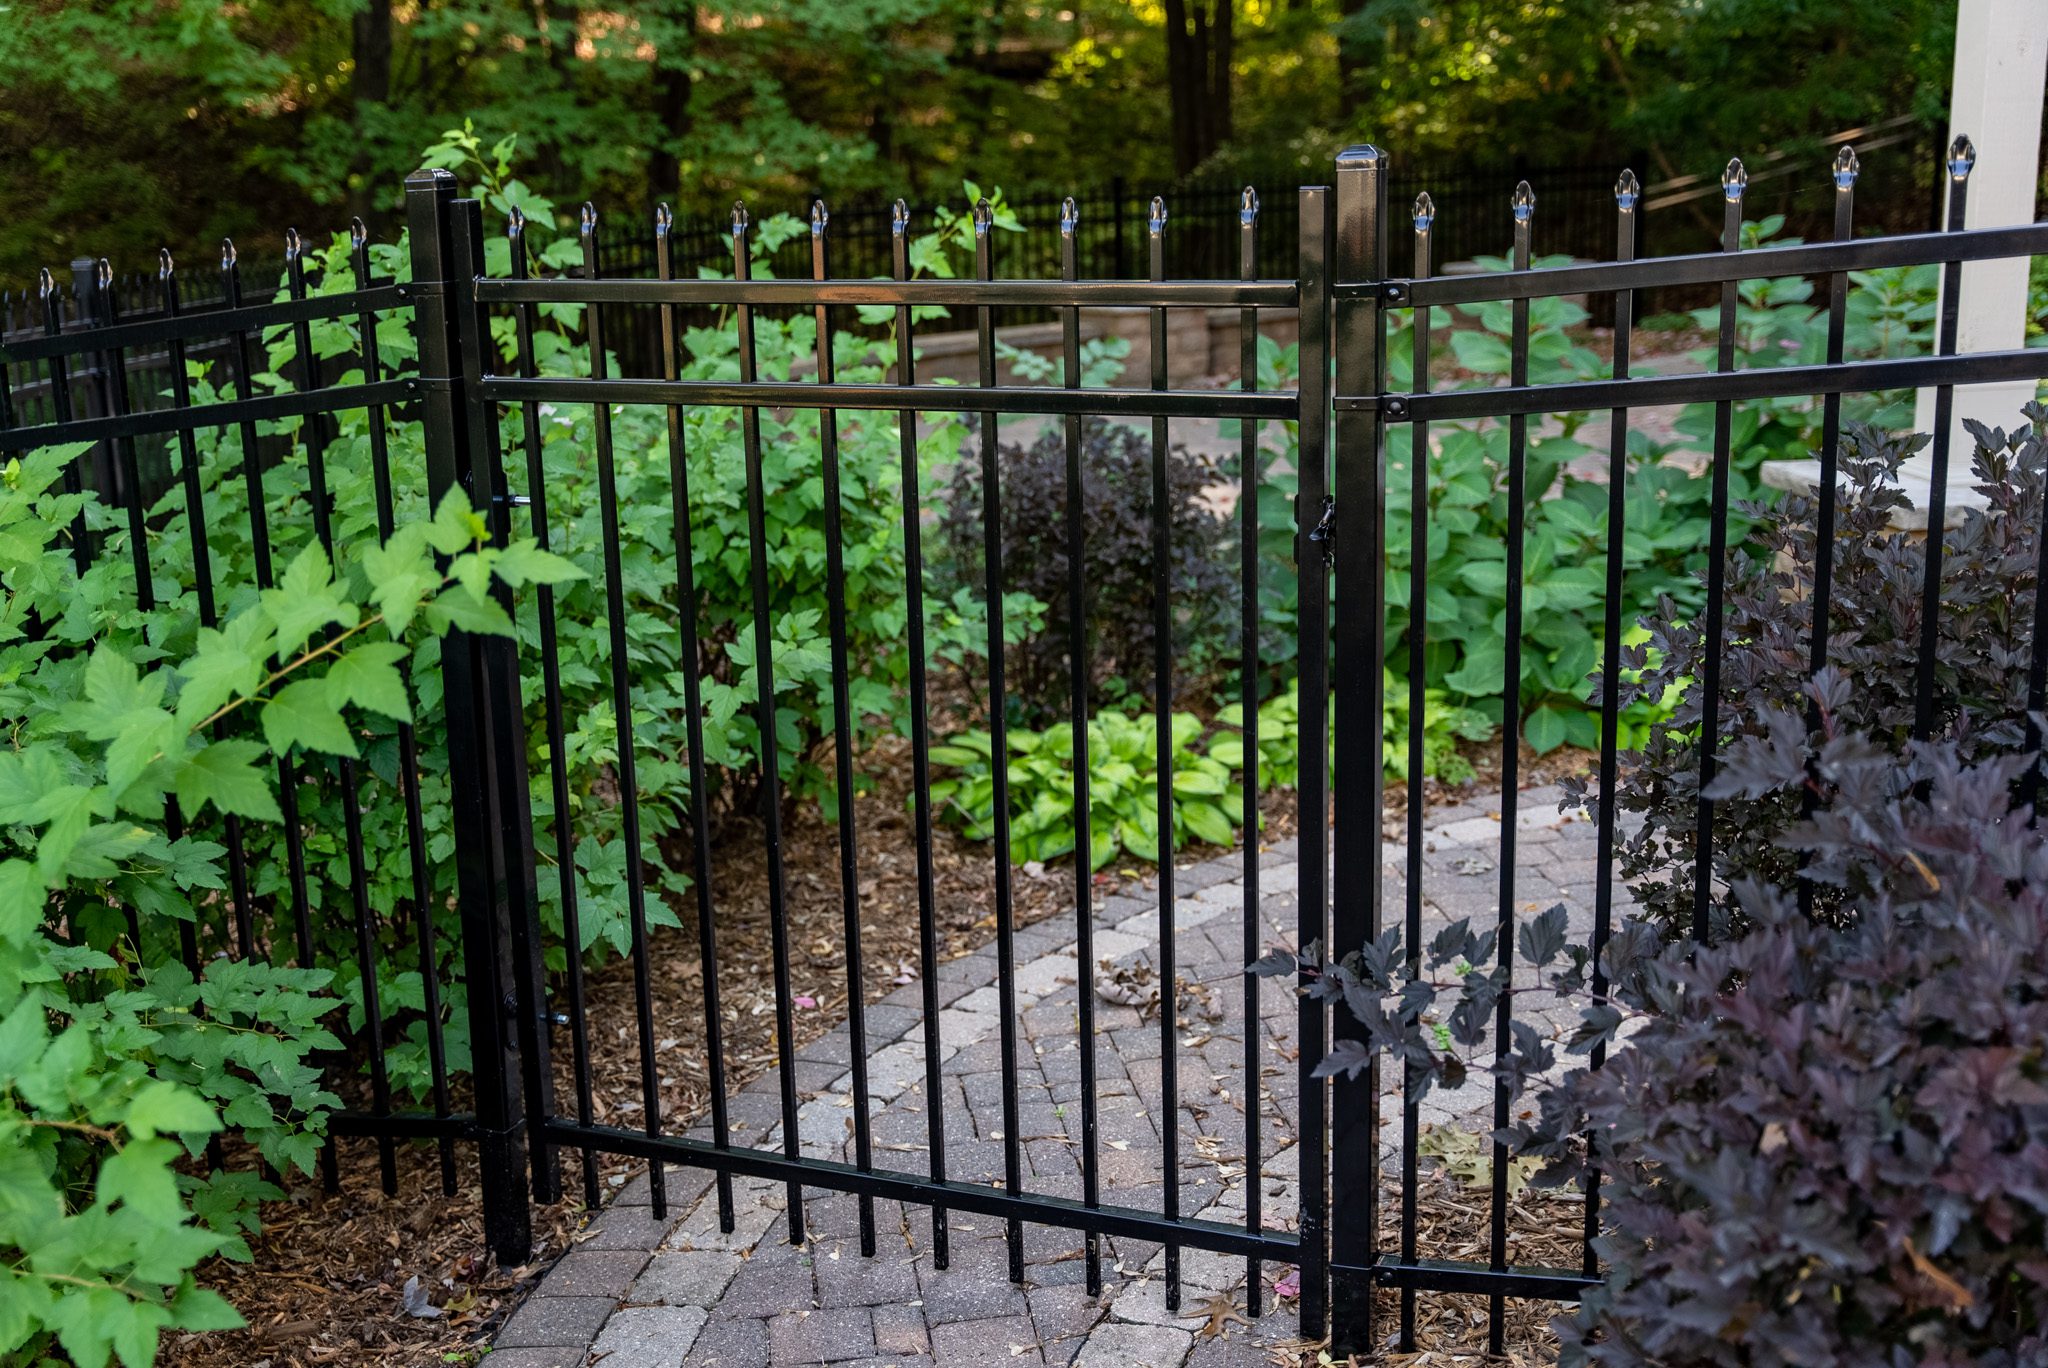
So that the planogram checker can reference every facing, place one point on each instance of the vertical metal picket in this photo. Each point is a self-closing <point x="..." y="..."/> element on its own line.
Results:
<point x="1312" y="793"/>
<point x="479" y="744"/>
<point x="1358" y="341"/>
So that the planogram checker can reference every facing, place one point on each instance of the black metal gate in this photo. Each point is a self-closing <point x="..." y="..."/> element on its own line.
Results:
<point x="1344" y="291"/>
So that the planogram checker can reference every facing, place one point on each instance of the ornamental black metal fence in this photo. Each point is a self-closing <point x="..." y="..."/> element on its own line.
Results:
<point x="1367" y="291"/>
<point x="1352" y="1233"/>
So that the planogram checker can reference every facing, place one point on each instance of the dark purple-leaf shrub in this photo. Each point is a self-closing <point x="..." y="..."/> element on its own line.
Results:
<point x="1118" y="621"/>
<point x="1983" y="639"/>
<point x="1828" y="1144"/>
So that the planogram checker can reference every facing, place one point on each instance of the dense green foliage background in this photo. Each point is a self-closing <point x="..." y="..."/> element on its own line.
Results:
<point x="131" y="123"/>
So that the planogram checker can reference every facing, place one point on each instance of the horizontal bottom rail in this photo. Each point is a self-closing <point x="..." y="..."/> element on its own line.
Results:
<point x="409" y="1125"/>
<point x="1066" y="1212"/>
<point x="1447" y="1275"/>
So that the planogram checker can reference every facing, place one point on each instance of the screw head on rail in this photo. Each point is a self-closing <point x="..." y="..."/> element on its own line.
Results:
<point x="1734" y="180"/>
<point x="1070" y="217"/>
<point x="739" y="217"/>
<point x="1248" y="207"/>
<point x="1627" y="190"/>
<point x="1425" y="212"/>
<point x="820" y="216"/>
<point x="899" y="218"/>
<point x="1846" y="167"/>
<point x="1156" y="222"/>
<point x="1523" y="201"/>
<point x="1962" y="155"/>
<point x="664" y="220"/>
<point x="1393" y="292"/>
<point x="165" y="268"/>
<point x="1396" y="406"/>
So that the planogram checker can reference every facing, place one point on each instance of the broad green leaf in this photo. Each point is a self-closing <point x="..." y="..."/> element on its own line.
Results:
<point x="225" y="774"/>
<point x="368" y="676"/>
<point x="302" y="714"/>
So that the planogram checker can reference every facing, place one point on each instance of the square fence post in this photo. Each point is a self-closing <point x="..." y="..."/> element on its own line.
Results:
<point x="1358" y="342"/>
<point x="484" y="892"/>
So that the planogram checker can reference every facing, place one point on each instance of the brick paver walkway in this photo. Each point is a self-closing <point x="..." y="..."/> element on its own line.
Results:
<point x="639" y="1293"/>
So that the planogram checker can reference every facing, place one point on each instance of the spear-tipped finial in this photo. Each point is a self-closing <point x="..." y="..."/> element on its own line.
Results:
<point x="293" y="245"/>
<point x="586" y="218"/>
<point x="899" y="218"/>
<point x="1524" y="203"/>
<point x="228" y="255"/>
<point x="1962" y="155"/>
<point x="664" y="220"/>
<point x="739" y="217"/>
<point x="1425" y="212"/>
<point x="820" y="216"/>
<point x="165" y="268"/>
<point x="103" y="274"/>
<point x="46" y="284"/>
<point x="1846" y="167"/>
<point x="1734" y="180"/>
<point x="1248" y="207"/>
<point x="515" y="222"/>
<point x="1627" y="190"/>
<point x="1070" y="217"/>
<point x="1157" y="222"/>
<point x="984" y="217"/>
<point x="357" y="233"/>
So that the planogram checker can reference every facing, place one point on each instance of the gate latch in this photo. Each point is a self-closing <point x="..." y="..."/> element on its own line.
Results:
<point x="1324" y="533"/>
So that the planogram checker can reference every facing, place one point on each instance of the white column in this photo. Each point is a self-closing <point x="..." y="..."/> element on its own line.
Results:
<point x="1996" y="101"/>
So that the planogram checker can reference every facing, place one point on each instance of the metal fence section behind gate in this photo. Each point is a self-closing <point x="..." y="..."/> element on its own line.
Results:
<point x="1367" y="291"/>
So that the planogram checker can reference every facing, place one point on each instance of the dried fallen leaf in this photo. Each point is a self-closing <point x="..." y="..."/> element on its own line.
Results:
<point x="417" y="1304"/>
<point x="1220" y="1310"/>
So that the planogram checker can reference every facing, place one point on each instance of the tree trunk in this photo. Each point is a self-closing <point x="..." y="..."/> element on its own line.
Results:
<point x="673" y="87"/>
<point x="372" y="85"/>
<point x="1199" y="47"/>
<point x="1225" y="52"/>
<point x="371" y="88"/>
<point x="1350" y="47"/>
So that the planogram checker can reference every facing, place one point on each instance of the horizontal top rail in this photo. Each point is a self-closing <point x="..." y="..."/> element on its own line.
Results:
<point x="214" y="322"/>
<point x="1241" y="294"/>
<point x="1142" y="403"/>
<point x="1704" y="268"/>
<point x="1762" y="382"/>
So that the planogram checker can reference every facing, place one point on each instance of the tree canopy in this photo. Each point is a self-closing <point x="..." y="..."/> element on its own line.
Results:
<point x="131" y="123"/>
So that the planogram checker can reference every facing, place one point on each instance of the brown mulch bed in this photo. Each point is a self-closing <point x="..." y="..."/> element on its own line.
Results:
<point x="327" y="1283"/>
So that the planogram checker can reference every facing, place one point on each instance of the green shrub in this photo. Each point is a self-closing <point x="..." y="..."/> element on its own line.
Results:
<point x="133" y="734"/>
<point x="1564" y="529"/>
<point x="870" y="468"/>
